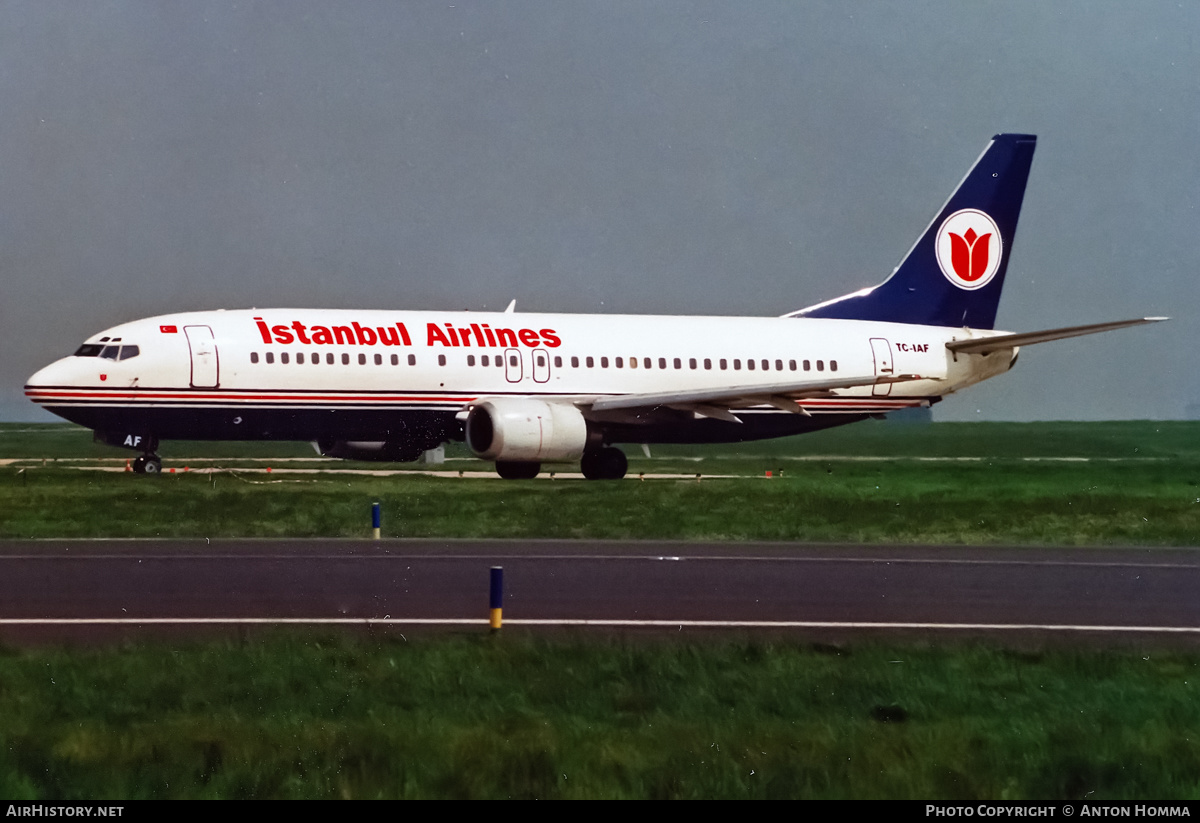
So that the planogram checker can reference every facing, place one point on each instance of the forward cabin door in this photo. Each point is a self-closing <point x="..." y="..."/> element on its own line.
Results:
<point x="882" y="350"/>
<point x="206" y="368"/>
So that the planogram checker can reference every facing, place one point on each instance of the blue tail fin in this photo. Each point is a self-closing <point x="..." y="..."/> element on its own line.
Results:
<point x="954" y="273"/>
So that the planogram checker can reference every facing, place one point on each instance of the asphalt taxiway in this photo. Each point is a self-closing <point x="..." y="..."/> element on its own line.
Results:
<point x="82" y="588"/>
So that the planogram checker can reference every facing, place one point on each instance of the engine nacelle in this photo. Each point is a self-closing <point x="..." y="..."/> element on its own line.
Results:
<point x="516" y="429"/>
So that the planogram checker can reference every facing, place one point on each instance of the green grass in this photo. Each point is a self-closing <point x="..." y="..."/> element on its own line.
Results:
<point x="1140" y="485"/>
<point x="1110" y="439"/>
<point x="514" y="716"/>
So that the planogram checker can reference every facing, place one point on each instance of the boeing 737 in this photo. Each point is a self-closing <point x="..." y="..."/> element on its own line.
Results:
<point x="527" y="389"/>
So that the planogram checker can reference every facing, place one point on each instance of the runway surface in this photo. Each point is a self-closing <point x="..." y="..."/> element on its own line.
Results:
<point x="83" y="589"/>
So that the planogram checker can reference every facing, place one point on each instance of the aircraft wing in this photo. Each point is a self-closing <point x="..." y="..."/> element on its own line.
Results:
<point x="716" y="403"/>
<point x="983" y="345"/>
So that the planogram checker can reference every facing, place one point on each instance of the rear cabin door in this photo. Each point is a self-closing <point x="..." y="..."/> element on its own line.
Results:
<point x="882" y="350"/>
<point x="206" y="367"/>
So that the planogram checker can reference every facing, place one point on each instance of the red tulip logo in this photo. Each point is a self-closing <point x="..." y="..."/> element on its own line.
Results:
<point x="964" y="248"/>
<point x="969" y="254"/>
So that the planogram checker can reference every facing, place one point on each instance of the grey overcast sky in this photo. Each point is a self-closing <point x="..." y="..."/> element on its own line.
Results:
<point x="633" y="157"/>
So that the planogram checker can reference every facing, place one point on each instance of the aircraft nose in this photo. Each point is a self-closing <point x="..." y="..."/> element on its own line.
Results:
<point x="51" y="375"/>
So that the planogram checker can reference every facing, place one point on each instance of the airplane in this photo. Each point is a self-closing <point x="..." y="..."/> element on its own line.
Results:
<point x="525" y="389"/>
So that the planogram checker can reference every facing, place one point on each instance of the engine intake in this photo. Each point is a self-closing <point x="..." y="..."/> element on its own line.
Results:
<point x="526" y="430"/>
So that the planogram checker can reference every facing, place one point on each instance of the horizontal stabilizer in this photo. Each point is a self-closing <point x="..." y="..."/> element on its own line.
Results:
<point x="744" y="395"/>
<point x="1007" y="341"/>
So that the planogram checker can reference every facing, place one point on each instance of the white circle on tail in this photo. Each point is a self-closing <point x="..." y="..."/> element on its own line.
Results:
<point x="969" y="248"/>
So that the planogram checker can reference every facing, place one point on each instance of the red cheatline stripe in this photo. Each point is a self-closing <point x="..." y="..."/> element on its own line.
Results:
<point x="196" y="396"/>
<point x="189" y="396"/>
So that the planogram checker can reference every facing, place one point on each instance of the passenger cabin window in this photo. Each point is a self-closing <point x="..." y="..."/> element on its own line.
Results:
<point x="750" y="365"/>
<point x="484" y="360"/>
<point x="619" y="362"/>
<point x="604" y="362"/>
<point x="691" y="362"/>
<point x="737" y="364"/>
<point x="470" y="360"/>
<point x="299" y="357"/>
<point x="707" y="363"/>
<point x="662" y="363"/>
<point x="723" y="363"/>
<point x="557" y="362"/>
<point x="412" y="360"/>
<point x="574" y="362"/>
<point x="379" y="360"/>
<point x="792" y="365"/>
<point x="678" y="363"/>
<point x="362" y="360"/>
<point x="441" y="359"/>
<point x="270" y="357"/>
<point x="395" y="360"/>
<point x="833" y="365"/>
<point x="820" y="365"/>
<point x="283" y="357"/>
<point x="345" y="360"/>
<point x="807" y="366"/>
<point x="253" y="357"/>
<point x="591" y="363"/>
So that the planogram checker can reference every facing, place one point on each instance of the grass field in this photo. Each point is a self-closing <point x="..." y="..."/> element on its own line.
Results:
<point x="1068" y="484"/>
<point x="303" y="715"/>
<point x="485" y="717"/>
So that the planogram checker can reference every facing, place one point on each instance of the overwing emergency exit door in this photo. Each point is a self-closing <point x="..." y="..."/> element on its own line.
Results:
<point x="514" y="366"/>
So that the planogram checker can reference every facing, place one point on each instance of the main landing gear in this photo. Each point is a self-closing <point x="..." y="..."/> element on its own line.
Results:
<point x="148" y="464"/>
<point x="511" y="470"/>
<point x="605" y="463"/>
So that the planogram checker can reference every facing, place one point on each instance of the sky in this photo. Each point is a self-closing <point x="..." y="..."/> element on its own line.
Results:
<point x="744" y="158"/>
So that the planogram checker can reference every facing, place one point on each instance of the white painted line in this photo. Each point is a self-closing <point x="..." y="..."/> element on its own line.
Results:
<point x="484" y="474"/>
<point x="482" y="621"/>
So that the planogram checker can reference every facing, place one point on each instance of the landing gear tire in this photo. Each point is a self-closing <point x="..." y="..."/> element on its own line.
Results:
<point x="148" y="464"/>
<point x="517" y="471"/>
<point x="607" y="463"/>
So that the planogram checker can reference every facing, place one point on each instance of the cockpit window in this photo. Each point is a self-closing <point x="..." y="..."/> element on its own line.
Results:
<point x="107" y="352"/>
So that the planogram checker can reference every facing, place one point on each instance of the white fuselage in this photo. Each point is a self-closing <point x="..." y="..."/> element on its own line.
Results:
<point x="350" y="375"/>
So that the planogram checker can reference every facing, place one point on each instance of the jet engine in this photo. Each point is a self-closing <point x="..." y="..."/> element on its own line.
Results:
<point x="526" y="430"/>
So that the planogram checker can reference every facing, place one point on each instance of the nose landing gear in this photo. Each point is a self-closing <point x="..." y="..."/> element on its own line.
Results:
<point x="148" y="464"/>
